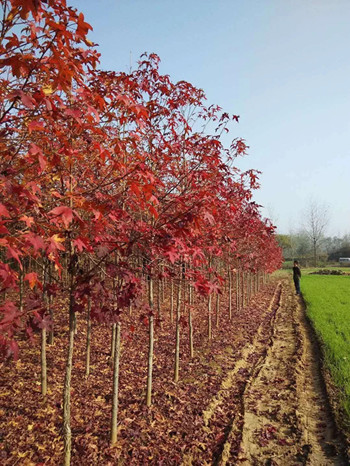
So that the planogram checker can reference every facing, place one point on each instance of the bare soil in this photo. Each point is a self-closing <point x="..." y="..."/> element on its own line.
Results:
<point x="283" y="417"/>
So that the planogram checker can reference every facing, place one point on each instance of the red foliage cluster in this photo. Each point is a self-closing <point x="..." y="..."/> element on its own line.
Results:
<point x="94" y="163"/>
<point x="110" y="182"/>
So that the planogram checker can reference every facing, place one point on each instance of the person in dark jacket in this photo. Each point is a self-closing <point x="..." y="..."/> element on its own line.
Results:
<point x="296" y="277"/>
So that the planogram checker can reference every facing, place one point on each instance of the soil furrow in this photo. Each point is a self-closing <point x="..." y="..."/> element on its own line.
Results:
<point x="233" y="445"/>
<point x="233" y="386"/>
<point x="270" y="434"/>
<point x="287" y="420"/>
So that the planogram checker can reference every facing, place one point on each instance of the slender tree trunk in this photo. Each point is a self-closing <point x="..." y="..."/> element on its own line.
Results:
<point x="209" y="317"/>
<point x="150" y="346"/>
<point x="248" y="281"/>
<point x="88" y="340"/>
<point x="190" y="332"/>
<point x="243" y="291"/>
<point x="172" y="301"/>
<point x="177" y="340"/>
<point x="190" y="324"/>
<point x="209" y="304"/>
<point x="114" y="330"/>
<point x="230" y="294"/>
<point x="237" y="290"/>
<point x="49" y="304"/>
<point x="163" y="286"/>
<point x="217" y="309"/>
<point x="51" y="333"/>
<point x="21" y="287"/>
<point x="67" y="433"/>
<point x="159" y="302"/>
<point x="114" y="423"/>
<point x="43" y="363"/>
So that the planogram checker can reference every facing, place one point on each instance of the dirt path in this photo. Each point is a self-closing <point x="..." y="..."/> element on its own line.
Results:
<point x="281" y="414"/>
<point x="287" y="420"/>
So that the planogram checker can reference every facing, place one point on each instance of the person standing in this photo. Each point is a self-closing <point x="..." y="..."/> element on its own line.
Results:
<point x="296" y="277"/>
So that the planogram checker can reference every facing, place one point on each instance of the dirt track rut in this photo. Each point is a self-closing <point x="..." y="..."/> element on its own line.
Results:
<point x="283" y="416"/>
<point x="287" y="420"/>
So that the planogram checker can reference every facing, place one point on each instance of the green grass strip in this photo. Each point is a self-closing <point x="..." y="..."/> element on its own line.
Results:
<point x="328" y="307"/>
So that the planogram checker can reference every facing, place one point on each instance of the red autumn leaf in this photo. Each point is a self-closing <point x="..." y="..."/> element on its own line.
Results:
<point x="209" y="217"/>
<point x="153" y="211"/>
<point x="80" y="244"/>
<point x="9" y="313"/>
<point x="28" y="220"/>
<point x="36" y="126"/>
<point x="32" y="279"/>
<point x="172" y="255"/>
<point x="27" y="101"/>
<point x="83" y="27"/>
<point x="15" y="254"/>
<point x="140" y="111"/>
<point x="45" y="323"/>
<point x="42" y="162"/>
<point x="3" y="211"/>
<point x="94" y="112"/>
<point x="36" y="241"/>
<point x="34" y="149"/>
<point x="3" y="230"/>
<point x="55" y="245"/>
<point x="135" y="188"/>
<point x="123" y="98"/>
<point x="66" y="213"/>
<point x="75" y="113"/>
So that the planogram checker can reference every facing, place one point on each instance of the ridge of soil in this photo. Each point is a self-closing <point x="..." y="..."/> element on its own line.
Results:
<point x="225" y="410"/>
<point x="282" y="415"/>
<point x="287" y="417"/>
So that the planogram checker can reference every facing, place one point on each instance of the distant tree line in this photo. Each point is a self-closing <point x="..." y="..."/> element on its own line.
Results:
<point x="310" y="244"/>
<point x="298" y="245"/>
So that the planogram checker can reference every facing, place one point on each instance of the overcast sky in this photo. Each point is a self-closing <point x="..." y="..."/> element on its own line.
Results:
<point x="282" y="65"/>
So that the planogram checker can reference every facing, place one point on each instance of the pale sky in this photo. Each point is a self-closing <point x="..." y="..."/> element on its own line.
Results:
<point x="282" y="65"/>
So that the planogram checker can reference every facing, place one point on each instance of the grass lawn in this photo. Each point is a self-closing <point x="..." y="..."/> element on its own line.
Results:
<point x="328" y="306"/>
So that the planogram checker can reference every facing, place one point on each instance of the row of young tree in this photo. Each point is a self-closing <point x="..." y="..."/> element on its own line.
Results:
<point x="111" y="183"/>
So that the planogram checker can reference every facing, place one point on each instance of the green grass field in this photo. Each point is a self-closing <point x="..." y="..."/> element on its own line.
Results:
<point x="328" y="306"/>
<point x="287" y="272"/>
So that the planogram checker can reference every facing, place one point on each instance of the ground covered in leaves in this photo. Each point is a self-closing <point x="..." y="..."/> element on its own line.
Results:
<point x="31" y="426"/>
<point x="205" y="418"/>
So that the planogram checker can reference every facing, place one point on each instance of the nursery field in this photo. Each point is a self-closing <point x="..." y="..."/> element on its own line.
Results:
<point x="191" y="415"/>
<point x="328" y="307"/>
<point x="140" y="320"/>
<point x="253" y="394"/>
